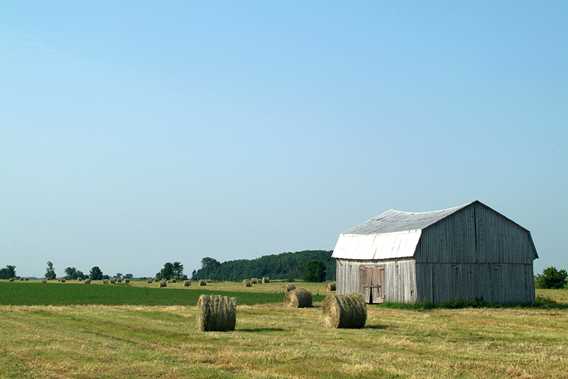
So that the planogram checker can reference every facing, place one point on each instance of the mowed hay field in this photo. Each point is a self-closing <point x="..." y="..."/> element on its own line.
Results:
<point x="272" y="341"/>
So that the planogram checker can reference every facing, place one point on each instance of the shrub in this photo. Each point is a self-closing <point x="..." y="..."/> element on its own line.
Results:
<point x="552" y="278"/>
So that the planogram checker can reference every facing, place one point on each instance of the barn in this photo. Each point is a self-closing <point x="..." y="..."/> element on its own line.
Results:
<point x="465" y="253"/>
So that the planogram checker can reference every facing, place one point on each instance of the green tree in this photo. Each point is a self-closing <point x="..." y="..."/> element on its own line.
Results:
<point x="8" y="272"/>
<point x="70" y="273"/>
<point x="167" y="272"/>
<point x="96" y="273"/>
<point x="315" y="272"/>
<point x="551" y="277"/>
<point x="178" y="270"/>
<point x="50" y="272"/>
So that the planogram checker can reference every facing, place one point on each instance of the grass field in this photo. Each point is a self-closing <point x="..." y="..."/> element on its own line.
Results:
<point x="108" y="341"/>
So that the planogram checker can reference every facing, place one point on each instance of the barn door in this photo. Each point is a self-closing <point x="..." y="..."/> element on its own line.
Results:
<point x="372" y="280"/>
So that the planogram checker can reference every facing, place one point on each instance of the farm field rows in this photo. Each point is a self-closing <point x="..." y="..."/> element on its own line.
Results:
<point x="271" y="341"/>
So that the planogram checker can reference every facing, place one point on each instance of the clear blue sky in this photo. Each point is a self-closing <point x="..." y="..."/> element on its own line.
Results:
<point x="138" y="132"/>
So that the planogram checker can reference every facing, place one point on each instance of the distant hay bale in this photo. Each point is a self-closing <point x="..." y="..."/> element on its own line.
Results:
<point x="202" y="283"/>
<point x="105" y="281"/>
<point x="331" y="286"/>
<point x="289" y="287"/>
<point x="344" y="311"/>
<point x="88" y="281"/>
<point x="187" y="283"/>
<point x="12" y="279"/>
<point x="254" y="281"/>
<point x="173" y="281"/>
<point x="44" y="281"/>
<point x="247" y="283"/>
<point x="265" y="280"/>
<point x="150" y="281"/>
<point x="216" y="313"/>
<point x="112" y="281"/>
<point x="298" y="298"/>
<point x="126" y="281"/>
<point x="63" y="280"/>
<point x="163" y="283"/>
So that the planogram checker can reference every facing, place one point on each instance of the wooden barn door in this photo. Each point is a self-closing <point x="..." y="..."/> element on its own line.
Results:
<point x="372" y="279"/>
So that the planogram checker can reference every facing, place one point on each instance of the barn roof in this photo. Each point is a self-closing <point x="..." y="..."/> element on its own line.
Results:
<point x="394" y="234"/>
<point x="398" y="221"/>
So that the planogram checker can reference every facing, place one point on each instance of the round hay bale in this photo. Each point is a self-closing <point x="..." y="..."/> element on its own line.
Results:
<point x="173" y="281"/>
<point x="254" y="280"/>
<point x="187" y="283"/>
<point x="12" y="279"/>
<point x="344" y="311"/>
<point x="112" y="281"/>
<point x="265" y="280"/>
<point x="202" y="283"/>
<point x="163" y="283"/>
<point x="289" y="287"/>
<point x="63" y="280"/>
<point x="105" y="281"/>
<point x="216" y="313"/>
<point x="247" y="283"/>
<point x="150" y="281"/>
<point x="126" y="281"/>
<point x="298" y="298"/>
<point x="331" y="287"/>
<point x="88" y="281"/>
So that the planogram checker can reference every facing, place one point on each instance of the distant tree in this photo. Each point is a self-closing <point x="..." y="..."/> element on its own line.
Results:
<point x="70" y="273"/>
<point x="81" y="275"/>
<point x="178" y="270"/>
<point x="96" y="273"/>
<point x="193" y="274"/>
<point x="167" y="272"/>
<point x="128" y="276"/>
<point x="8" y="272"/>
<point x="118" y="275"/>
<point x="209" y="263"/>
<point x="551" y="277"/>
<point x="315" y="272"/>
<point x="50" y="272"/>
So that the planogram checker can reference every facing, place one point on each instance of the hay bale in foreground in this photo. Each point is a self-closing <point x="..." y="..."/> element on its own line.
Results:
<point x="289" y="287"/>
<point x="298" y="298"/>
<point x="202" y="283"/>
<point x="331" y="286"/>
<point x="187" y="283"/>
<point x="216" y="313"/>
<point x="247" y="283"/>
<point x="265" y="280"/>
<point x="344" y="311"/>
<point x="163" y="283"/>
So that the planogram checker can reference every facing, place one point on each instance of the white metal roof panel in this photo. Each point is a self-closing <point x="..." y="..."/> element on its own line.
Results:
<point x="377" y="246"/>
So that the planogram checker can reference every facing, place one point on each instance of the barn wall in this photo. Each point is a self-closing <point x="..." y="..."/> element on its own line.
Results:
<point x="400" y="279"/>
<point x="475" y="234"/>
<point x="491" y="282"/>
<point x="475" y="253"/>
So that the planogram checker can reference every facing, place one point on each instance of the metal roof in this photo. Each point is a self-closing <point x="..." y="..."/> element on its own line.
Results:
<point x="397" y="221"/>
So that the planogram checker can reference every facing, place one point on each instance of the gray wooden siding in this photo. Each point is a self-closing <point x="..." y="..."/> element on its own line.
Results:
<point x="475" y="253"/>
<point x="492" y="282"/>
<point x="400" y="279"/>
<point x="475" y="234"/>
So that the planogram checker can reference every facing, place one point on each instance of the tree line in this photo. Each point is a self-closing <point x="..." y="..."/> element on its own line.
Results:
<point x="311" y="265"/>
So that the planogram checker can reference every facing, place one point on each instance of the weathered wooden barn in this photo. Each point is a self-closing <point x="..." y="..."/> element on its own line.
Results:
<point x="465" y="253"/>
